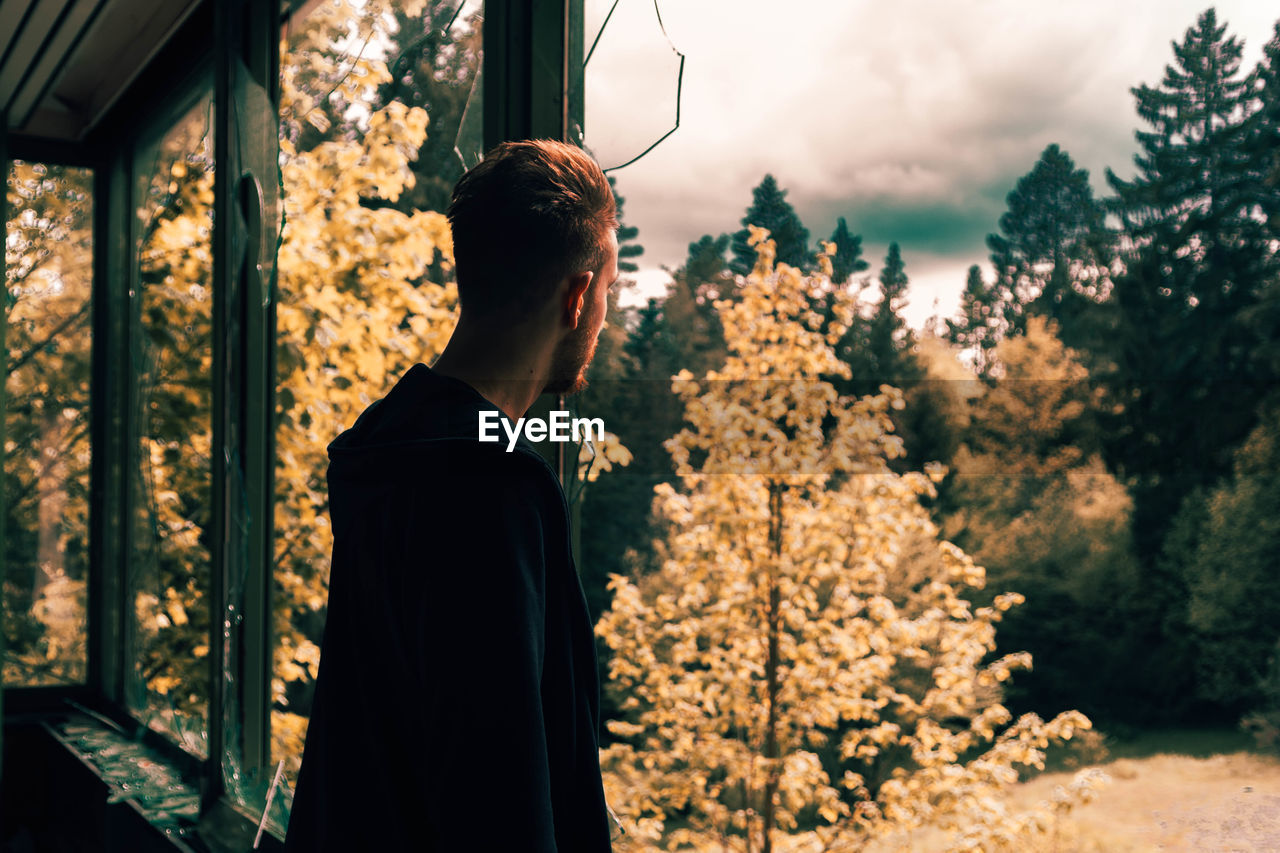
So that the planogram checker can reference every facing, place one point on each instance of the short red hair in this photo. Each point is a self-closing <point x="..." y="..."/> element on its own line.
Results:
<point x="527" y="215"/>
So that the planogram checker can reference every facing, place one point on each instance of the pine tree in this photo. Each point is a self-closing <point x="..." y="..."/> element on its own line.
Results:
<point x="890" y="337"/>
<point x="628" y="248"/>
<point x="689" y="315"/>
<point x="1054" y="249"/>
<point x="879" y="351"/>
<point x="645" y="346"/>
<point x="848" y="257"/>
<point x="770" y="209"/>
<point x="611" y="512"/>
<point x="801" y="662"/>
<point x="1198" y="263"/>
<point x="976" y="329"/>
<point x="680" y="332"/>
<point x="1264" y="160"/>
<point x="1264" y="140"/>
<point x="1193" y="145"/>
<point x="706" y="269"/>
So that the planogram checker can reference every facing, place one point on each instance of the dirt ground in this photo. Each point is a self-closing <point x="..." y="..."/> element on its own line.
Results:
<point x="1173" y="803"/>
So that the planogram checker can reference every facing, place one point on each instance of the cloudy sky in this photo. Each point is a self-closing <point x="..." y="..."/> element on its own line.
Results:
<point x="911" y="118"/>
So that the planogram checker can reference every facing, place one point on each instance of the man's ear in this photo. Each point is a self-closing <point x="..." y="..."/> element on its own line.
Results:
<point x="576" y="297"/>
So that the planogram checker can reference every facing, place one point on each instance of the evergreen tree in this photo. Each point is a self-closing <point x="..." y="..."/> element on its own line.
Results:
<point x="848" y="258"/>
<point x="645" y="345"/>
<point x="880" y="349"/>
<point x="977" y="327"/>
<point x="706" y="269"/>
<point x="630" y="387"/>
<point x="1198" y="264"/>
<point x="770" y="209"/>
<point x="690" y="319"/>
<point x="1053" y="249"/>
<point x="1264" y="139"/>
<point x="1264" y="159"/>
<point x="602" y="514"/>
<point x="889" y="334"/>
<point x="613" y="508"/>
<point x="882" y="355"/>
<point x="628" y="248"/>
<point x="1228" y="560"/>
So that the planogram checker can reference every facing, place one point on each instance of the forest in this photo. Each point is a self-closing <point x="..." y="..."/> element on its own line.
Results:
<point x="851" y="578"/>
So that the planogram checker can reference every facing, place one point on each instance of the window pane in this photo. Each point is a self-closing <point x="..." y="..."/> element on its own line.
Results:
<point x="49" y="268"/>
<point x="632" y="80"/>
<point x="169" y="572"/>
<point x="364" y="274"/>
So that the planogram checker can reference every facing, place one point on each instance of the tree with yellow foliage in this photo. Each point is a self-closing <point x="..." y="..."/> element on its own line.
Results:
<point x="48" y="263"/>
<point x="355" y="307"/>
<point x="790" y="678"/>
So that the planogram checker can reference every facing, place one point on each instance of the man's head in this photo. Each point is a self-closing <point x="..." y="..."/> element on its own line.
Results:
<point x="573" y="355"/>
<point x="528" y="215"/>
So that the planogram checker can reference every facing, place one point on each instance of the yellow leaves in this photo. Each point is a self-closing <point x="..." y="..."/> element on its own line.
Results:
<point x="1005" y="601"/>
<point x="318" y="119"/>
<point x="593" y="462"/>
<point x="308" y="653"/>
<point x="794" y="549"/>
<point x="163" y="684"/>
<point x="355" y="312"/>
<point x="294" y="664"/>
<point x="177" y="613"/>
<point x="623" y="729"/>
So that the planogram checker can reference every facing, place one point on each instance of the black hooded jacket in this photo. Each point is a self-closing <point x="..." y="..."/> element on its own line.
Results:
<point x="457" y="702"/>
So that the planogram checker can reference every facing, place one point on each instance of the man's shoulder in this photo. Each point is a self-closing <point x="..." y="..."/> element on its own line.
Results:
<point x="424" y="435"/>
<point x="422" y="405"/>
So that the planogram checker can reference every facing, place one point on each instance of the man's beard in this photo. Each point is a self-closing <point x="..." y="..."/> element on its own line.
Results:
<point x="569" y="363"/>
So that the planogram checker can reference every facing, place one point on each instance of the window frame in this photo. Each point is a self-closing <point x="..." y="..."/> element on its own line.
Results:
<point x="532" y="88"/>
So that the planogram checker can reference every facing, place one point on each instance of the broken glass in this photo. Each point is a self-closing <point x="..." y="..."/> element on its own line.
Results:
<point x="633" y="77"/>
<point x="168" y="577"/>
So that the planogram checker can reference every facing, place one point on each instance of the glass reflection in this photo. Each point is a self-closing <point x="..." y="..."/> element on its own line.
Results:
<point x="169" y="570"/>
<point x="48" y="276"/>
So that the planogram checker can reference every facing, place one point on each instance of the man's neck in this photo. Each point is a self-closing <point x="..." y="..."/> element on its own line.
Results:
<point x="509" y="369"/>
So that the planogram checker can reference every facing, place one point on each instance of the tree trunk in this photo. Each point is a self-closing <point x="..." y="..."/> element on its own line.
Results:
<point x="771" y="672"/>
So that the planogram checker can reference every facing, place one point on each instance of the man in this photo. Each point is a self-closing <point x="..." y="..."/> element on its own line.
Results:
<point x="457" y="702"/>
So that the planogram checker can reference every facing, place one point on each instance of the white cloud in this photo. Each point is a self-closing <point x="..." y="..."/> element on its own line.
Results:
<point x="855" y="103"/>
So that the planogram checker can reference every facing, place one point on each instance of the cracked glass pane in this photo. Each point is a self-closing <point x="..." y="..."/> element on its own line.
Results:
<point x="633" y="75"/>
<point x="167" y="645"/>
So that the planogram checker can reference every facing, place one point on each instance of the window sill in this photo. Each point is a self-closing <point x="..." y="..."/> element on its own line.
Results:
<point x="72" y="783"/>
